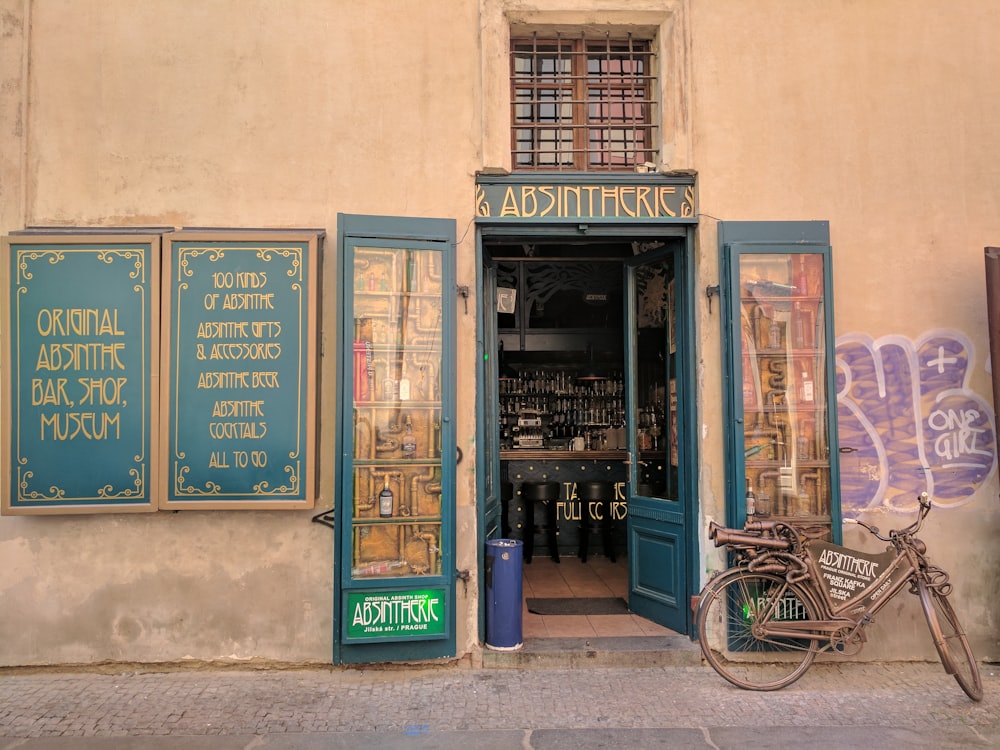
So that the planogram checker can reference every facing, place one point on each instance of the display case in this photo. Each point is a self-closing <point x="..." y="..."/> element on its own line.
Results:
<point x="396" y="411"/>
<point x="784" y="442"/>
<point x="396" y="426"/>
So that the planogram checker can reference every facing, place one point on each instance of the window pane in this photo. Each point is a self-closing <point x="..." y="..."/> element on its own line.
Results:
<point x="595" y="87"/>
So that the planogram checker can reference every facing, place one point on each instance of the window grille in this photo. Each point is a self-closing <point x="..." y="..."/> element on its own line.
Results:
<point x="582" y="104"/>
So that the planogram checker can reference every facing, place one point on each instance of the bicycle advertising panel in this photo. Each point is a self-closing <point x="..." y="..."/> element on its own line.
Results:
<point x="846" y="573"/>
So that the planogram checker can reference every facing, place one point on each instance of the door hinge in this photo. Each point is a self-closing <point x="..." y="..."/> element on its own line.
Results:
<point x="712" y="290"/>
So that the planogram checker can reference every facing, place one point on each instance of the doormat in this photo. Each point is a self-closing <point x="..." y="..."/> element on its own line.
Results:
<point x="564" y="605"/>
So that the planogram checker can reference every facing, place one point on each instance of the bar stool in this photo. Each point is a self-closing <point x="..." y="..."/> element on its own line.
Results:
<point x="506" y="495"/>
<point x="596" y="494"/>
<point x="540" y="492"/>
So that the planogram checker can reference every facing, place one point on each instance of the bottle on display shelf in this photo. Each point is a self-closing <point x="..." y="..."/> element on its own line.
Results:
<point x="385" y="500"/>
<point x="410" y="279"/>
<point x="801" y="276"/>
<point x="774" y="336"/>
<point x="388" y="389"/>
<point x="802" y="447"/>
<point x="804" y="500"/>
<point x="377" y="568"/>
<point x="799" y="338"/>
<point x="409" y="441"/>
<point x="806" y="390"/>
<point x="751" y="499"/>
<point x="404" y="387"/>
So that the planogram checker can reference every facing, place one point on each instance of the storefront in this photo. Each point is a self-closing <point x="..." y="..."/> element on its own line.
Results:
<point x="448" y="307"/>
<point x="586" y="425"/>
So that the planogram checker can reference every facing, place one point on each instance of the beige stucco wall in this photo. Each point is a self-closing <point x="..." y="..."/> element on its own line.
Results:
<point x="878" y="116"/>
<point x="882" y="117"/>
<point x="243" y="114"/>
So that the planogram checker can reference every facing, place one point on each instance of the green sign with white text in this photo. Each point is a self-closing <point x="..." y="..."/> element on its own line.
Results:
<point x="395" y="614"/>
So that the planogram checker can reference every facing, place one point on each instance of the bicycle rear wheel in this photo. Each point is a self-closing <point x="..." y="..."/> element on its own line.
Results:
<point x="949" y="637"/>
<point x="732" y="609"/>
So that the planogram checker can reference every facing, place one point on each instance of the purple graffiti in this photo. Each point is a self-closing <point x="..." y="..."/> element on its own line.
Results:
<point x="908" y="422"/>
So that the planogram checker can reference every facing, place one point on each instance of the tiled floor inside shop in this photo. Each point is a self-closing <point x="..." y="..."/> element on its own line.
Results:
<point x="598" y="577"/>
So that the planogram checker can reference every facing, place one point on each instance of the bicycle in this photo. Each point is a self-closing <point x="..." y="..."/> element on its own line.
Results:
<point x="787" y="598"/>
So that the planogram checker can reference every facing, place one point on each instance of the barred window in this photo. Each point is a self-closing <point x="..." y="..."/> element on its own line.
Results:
<point x="581" y="103"/>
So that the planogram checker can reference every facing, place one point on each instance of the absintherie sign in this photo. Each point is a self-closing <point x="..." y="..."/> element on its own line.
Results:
<point x="84" y="327"/>
<point x="378" y="615"/>
<point x="847" y="573"/>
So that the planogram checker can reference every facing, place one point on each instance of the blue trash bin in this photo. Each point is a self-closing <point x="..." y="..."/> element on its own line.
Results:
<point x="503" y="594"/>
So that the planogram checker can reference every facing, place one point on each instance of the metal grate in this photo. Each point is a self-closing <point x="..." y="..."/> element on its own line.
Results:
<point x="582" y="104"/>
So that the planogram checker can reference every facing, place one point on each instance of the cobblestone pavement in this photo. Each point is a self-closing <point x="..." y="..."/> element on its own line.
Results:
<point x="915" y="705"/>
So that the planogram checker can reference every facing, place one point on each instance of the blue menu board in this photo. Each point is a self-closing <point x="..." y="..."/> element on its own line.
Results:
<point x="240" y="374"/>
<point x="83" y="329"/>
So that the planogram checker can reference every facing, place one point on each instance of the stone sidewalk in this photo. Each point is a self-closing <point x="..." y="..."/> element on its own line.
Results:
<point x="833" y="705"/>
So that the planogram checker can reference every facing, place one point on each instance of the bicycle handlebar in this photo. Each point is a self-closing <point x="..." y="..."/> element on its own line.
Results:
<point x="925" y="508"/>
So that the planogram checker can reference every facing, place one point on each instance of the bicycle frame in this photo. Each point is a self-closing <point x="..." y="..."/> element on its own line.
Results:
<point x="854" y="613"/>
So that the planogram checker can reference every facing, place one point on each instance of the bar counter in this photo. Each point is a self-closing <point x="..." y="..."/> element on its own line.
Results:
<point x="565" y="515"/>
<point x="551" y="454"/>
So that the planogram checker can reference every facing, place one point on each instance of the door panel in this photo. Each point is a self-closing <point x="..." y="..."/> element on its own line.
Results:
<point x="655" y="350"/>
<point x="652" y="542"/>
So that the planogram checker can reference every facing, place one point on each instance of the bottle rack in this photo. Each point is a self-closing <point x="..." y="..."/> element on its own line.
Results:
<point x="552" y="407"/>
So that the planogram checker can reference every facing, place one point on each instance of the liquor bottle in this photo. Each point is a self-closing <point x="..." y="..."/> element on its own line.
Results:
<point x="801" y="277"/>
<point x="404" y="387"/>
<point x="802" y="447"/>
<point x="806" y="387"/>
<point x="385" y="499"/>
<point x="774" y="336"/>
<point x="751" y="499"/>
<point x="388" y="389"/>
<point x="410" y="280"/>
<point x="377" y="568"/>
<point x="409" y="441"/>
<point x="805" y="500"/>
<point x="799" y="338"/>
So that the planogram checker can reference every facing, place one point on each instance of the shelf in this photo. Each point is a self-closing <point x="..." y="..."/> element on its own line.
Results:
<point x="362" y="405"/>
<point x="795" y="351"/>
<point x="400" y="520"/>
<point x="369" y="462"/>
<point x="360" y="294"/>
<point x="807" y="463"/>
<point x="551" y="454"/>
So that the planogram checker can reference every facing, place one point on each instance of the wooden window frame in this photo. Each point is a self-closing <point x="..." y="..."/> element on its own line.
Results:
<point x="574" y="103"/>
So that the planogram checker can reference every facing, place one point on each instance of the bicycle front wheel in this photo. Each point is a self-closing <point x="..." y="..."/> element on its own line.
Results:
<point x="950" y="639"/>
<point x="733" y="615"/>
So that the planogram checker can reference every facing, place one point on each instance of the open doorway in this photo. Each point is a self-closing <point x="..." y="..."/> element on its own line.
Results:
<point x="583" y="421"/>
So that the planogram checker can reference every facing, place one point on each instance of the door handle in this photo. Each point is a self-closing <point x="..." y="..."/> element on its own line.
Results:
<point x="629" y="463"/>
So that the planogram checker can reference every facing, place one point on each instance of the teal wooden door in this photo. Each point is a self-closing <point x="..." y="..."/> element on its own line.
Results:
<point x="395" y="509"/>
<point x="489" y="457"/>
<point x="657" y="396"/>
